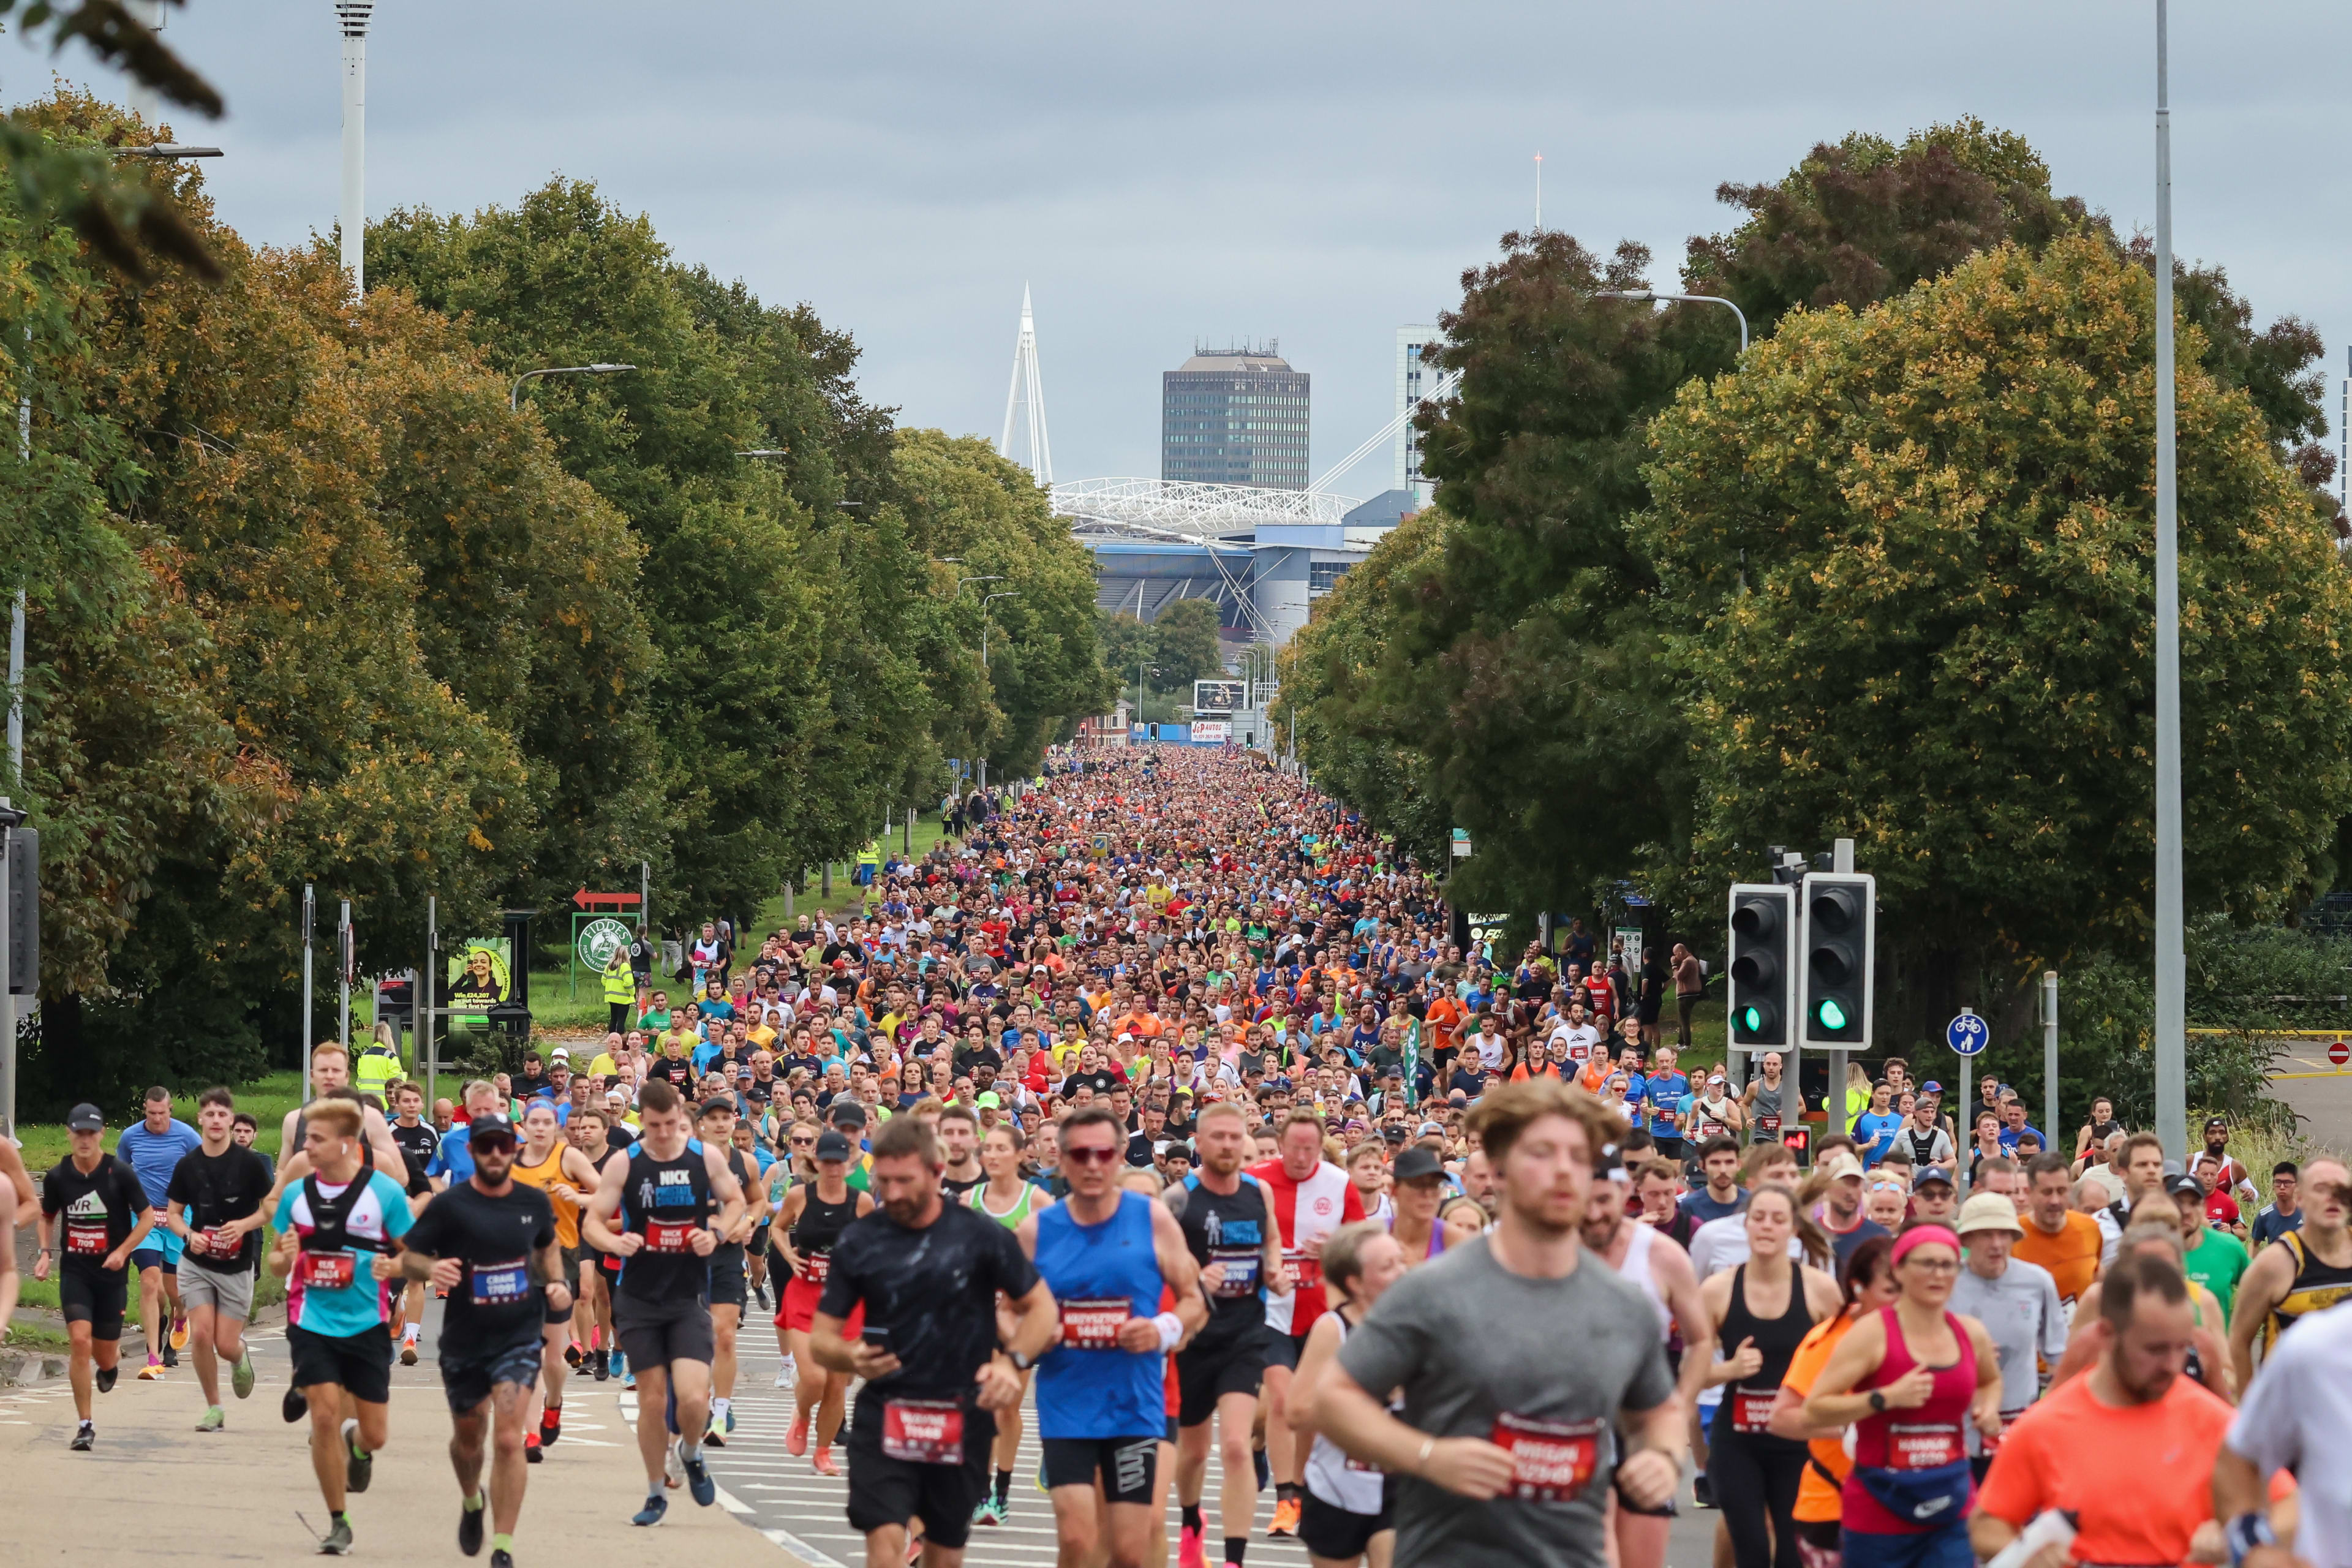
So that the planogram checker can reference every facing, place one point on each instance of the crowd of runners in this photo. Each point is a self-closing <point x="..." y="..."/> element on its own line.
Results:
<point x="1159" y="1109"/>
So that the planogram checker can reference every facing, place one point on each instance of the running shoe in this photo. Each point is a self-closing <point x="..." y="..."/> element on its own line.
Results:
<point x="180" y="1333"/>
<point x="603" y="1365"/>
<point x="106" y="1377"/>
<point x="699" y="1484"/>
<point x="1190" y="1553"/>
<point x="620" y="1361"/>
<point x="295" y="1406"/>
<point x="784" y="1375"/>
<point x="1702" y="1494"/>
<point x="652" y="1512"/>
<point x="988" y="1512"/>
<point x="1285" y="1517"/>
<point x="715" y="1432"/>
<point x="408" y="1352"/>
<point x="171" y="1356"/>
<point x="573" y="1355"/>
<point x="240" y="1374"/>
<point x="469" y="1527"/>
<point x="629" y="1382"/>
<point x="822" y="1461"/>
<point x="532" y="1452"/>
<point x="359" y="1467"/>
<point x="84" y="1437"/>
<point x="673" y="1466"/>
<point x="550" y="1426"/>
<point x="153" y="1371"/>
<point x="796" y="1437"/>
<point x="213" y="1419"/>
<point x="501" y="1558"/>
<point x="731" y="1418"/>
<point x="337" y="1541"/>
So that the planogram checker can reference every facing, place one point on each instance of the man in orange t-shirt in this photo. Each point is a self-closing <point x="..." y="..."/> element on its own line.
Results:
<point x="2057" y="1236"/>
<point x="2129" y="1449"/>
<point x="1445" y="1021"/>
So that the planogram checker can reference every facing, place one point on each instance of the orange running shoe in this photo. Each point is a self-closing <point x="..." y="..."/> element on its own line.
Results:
<point x="822" y="1460"/>
<point x="796" y="1437"/>
<point x="1285" y="1517"/>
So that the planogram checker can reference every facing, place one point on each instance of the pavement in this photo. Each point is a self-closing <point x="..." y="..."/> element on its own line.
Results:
<point x="247" y="1495"/>
<point x="2317" y="1091"/>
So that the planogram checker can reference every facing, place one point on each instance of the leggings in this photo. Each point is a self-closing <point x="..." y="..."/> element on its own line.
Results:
<point x="1754" y="1476"/>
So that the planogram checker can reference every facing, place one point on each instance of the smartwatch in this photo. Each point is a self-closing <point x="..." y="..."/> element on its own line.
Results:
<point x="1878" y="1400"/>
<point x="1020" y="1363"/>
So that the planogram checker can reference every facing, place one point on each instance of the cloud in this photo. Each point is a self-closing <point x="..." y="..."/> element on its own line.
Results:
<point x="1321" y="173"/>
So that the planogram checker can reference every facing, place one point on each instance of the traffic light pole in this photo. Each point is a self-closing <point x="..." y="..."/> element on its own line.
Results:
<point x="1841" y="862"/>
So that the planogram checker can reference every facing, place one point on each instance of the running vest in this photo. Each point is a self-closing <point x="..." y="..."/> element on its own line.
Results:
<point x="1011" y="1218"/>
<point x="1748" y="1403"/>
<point x="1764" y="1115"/>
<point x="543" y="1175"/>
<point x="1635" y="1268"/>
<point x="1923" y="1145"/>
<point x="663" y="1200"/>
<point x="2318" y="1284"/>
<point x="1101" y="1275"/>
<point x="819" y="1227"/>
<point x="1230" y="1228"/>
<point x="731" y="1253"/>
<point x="1333" y="1476"/>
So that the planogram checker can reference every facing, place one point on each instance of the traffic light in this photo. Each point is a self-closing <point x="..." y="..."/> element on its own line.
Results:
<point x="1763" y="969"/>
<point x="1841" y="917"/>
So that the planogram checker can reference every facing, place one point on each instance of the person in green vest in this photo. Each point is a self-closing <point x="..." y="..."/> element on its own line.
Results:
<point x="378" y="1064"/>
<point x="620" y="988"/>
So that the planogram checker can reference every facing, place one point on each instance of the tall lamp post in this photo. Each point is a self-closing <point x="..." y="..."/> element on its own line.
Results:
<point x="1645" y="296"/>
<point x="2172" y="964"/>
<point x="353" y="17"/>
<point x="986" y="600"/>
<point x="514" y="396"/>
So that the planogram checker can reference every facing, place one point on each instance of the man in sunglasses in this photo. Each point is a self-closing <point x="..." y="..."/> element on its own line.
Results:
<point x="490" y="1242"/>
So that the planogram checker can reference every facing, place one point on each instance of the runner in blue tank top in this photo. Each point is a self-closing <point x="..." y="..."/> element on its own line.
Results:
<point x="1107" y="1254"/>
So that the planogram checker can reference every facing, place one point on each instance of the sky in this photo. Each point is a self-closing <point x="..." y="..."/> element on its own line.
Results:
<point x="1317" y="173"/>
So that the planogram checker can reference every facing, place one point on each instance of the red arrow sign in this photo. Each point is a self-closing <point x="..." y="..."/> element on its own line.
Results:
<point x="588" y="901"/>
<point x="2339" y="1053"/>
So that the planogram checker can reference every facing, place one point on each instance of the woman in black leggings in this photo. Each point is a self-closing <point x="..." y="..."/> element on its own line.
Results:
<point x="1762" y="1310"/>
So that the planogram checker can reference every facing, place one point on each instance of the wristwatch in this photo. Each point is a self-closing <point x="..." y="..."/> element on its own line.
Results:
<point x="1020" y="1363"/>
<point x="1878" y="1400"/>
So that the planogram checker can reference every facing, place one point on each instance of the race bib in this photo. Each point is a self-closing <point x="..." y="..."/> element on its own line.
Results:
<point x="668" y="1235"/>
<point x="1991" y="1446"/>
<point x="1305" y="1271"/>
<point x="815" y="1265"/>
<point x="1094" y="1325"/>
<point x="1550" y="1460"/>
<point x="1751" y="1408"/>
<point x="923" y="1431"/>
<point x="502" y="1284"/>
<point x="86" y="1240"/>
<point x="1922" y="1445"/>
<point x="1768" y="1124"/>
<point x="1241" y="1270"/>
<point x="215" y="1241"/>
<point x="328" y="1270"/>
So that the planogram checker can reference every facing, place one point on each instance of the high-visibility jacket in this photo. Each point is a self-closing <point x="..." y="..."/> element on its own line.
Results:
<point x="377" y="1065"/>
<point x="620" y="985"/>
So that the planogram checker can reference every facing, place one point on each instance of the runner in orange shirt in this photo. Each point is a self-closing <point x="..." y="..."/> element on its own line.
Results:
<point x="2057" y="1236"/>
<point x="1868" y="1283"/>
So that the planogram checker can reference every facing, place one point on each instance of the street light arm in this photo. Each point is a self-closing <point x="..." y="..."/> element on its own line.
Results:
<point x="1645" y="296"/>
<point x="514" y="396"/>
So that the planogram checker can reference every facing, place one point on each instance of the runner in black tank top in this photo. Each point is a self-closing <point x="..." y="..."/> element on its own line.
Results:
<point x="1753" y="1474"/>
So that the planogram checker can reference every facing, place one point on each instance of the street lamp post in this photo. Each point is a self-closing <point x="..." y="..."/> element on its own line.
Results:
<point x="2172" y="965"/>
<point x="514" y="397"/>
<point x="986" y="600"/>
<point x="1646" y="296"/>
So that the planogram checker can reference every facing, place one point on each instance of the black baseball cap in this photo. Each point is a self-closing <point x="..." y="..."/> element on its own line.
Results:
<point x="86" y="1118"/>
<point x="713" y="1107"/>
<point x="1415" y="1163"/>
<point x="846" y="1112"/>
<point x="492" y="1127"/>
<point x="832" y="1145"/>
<point x="2183" y="1187"/>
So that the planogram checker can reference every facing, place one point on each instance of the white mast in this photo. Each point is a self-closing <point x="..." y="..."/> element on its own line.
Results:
<point x="354" y="15"/>
<point x="1024" y="377"/>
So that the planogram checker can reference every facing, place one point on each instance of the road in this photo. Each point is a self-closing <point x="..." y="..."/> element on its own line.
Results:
<point x="805" y="1512"/>
<point x="2320" y="1092"/>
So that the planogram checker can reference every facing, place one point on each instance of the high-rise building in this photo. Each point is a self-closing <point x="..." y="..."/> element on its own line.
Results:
<point x="1413" y="382"/>
<point x="1234" y="417"/>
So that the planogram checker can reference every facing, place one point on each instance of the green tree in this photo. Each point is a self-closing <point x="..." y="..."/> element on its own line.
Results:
<point x="1904" y="554"/>
<point x="1184" y="645"/>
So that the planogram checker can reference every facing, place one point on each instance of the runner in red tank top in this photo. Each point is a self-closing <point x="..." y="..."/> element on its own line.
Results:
<point x="1312" y="1198"/>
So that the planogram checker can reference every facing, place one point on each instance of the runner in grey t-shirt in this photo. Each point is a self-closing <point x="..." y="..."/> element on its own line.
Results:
<point x="2016" y="1301"/>
<point x="1521" y="1358"/>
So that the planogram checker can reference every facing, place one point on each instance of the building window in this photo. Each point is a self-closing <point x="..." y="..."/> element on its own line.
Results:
<point x="1322" y="576"/>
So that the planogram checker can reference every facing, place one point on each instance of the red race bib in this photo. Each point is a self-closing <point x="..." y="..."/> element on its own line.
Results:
<point x="1304" y="1272"/>
<point x="86" y="1240"/>
<point x="215" y="1241"/>
<point x="1094" y="1325"/>
<point x="1751" y="1408"/>
<point x="923" y="1431"/>
<point x="1768" y="1124"/>
<point x="328" y="1270"/>
<point x="1921" y="1445"/>
<point x="1550" y="1460"/>
<point x="815" y="1265"/>
<point x="668" y="1235"/>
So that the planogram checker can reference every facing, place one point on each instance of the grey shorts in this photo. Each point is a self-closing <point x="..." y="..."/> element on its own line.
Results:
<point x="229" y="1295"/>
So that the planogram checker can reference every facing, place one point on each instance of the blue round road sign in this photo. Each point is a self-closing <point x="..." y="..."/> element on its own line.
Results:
<point x="1967" y="1035"/>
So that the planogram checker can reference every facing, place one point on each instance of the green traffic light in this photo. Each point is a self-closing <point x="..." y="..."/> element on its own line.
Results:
<point x="1752" y="1019"/>
<point x="1830" y="1015"/>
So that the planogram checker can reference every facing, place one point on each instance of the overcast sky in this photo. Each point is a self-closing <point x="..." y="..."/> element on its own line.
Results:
<point x="1320" y="172"/>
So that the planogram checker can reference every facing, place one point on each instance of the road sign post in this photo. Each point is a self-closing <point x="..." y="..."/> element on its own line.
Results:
<point x="2339" y="1053"/>
<point x="1967" y="1035"/>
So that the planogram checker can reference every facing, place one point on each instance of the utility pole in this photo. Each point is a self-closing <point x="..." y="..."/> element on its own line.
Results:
<point x="346" y="949"/>
<point x="2049" y="1055"/>
<point x="7" y="986"/>
<point x="2171" y="961"/>
<point x="353" y="15"/>
<point x="309" y="910"/>
<point x="425" y="1045"/>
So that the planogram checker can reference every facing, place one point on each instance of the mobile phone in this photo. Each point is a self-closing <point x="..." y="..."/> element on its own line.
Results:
<point x="878" y="1335"/>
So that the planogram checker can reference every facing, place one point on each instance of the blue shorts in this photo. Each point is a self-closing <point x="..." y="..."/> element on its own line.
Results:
<point x="1946" y="1547"/>
<point x="163" y="1252"/>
